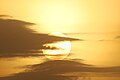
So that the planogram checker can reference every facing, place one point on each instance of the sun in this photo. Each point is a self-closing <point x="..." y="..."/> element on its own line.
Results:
<point x="61" y="51"/>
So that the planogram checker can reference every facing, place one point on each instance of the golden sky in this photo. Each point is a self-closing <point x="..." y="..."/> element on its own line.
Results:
<point x="66" y="15"/>
<point x="72" y="16"/>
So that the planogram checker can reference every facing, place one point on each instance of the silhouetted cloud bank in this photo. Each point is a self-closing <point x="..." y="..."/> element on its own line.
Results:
<point x="55" y="70"/>
<point x="17" y="39"/>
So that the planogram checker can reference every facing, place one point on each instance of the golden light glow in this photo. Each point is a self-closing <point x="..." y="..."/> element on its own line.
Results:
<point x="60" y="13"/>
<point x="61" y="51"/>
<point x="74" y="16"/>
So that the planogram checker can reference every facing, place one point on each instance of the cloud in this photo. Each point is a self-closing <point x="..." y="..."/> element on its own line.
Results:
<point x="3" y="16"/>
<point x="50" y="70"/>
<point x="17" y="39"/>
<point x="117" y="37"/>
<point x="60" y="70"/>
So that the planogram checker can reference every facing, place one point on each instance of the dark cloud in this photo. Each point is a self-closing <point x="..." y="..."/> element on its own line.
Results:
<point x="3" y="16"/>
<point x="17" y="39"/>
<point x="117" y="37"/>
<point x="54" y="70"/>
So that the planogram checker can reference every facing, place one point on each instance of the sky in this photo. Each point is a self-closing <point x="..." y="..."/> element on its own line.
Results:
<point x="95" y="22"/>
<point x="69" y="16"/>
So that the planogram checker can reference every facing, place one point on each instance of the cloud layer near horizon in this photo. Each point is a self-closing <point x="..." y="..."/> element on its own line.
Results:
<point x="17" y="39"/>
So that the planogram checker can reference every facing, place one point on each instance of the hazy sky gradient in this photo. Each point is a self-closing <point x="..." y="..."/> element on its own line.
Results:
<point x="96" y="22"/>
<point x="73" y="15"/>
